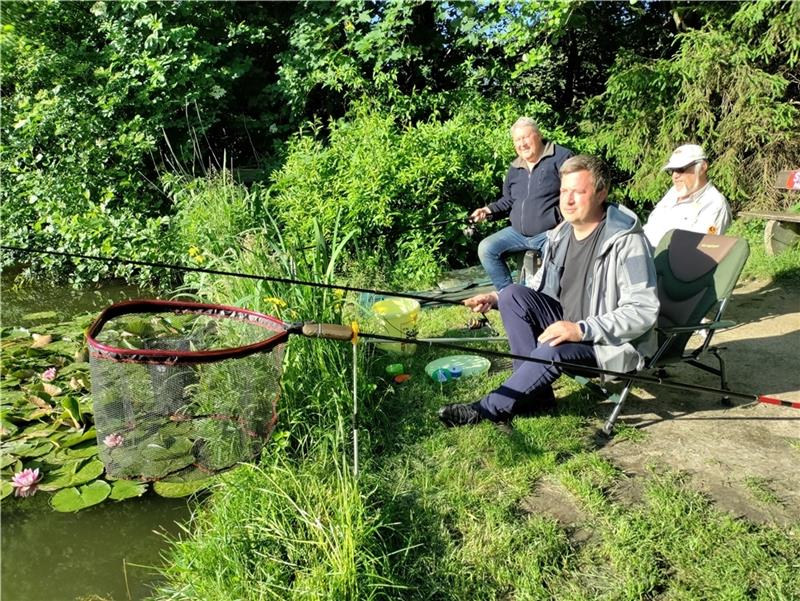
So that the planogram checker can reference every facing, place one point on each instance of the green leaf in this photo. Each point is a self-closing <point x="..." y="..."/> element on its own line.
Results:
<point x="78" y="437"/>
<point x="174" y="490"/>
<point x="31" y="449"/>
<point x="40" y="316"/>
<point x="127" y="489"/>
<point x="6" y="460"/>
<point x="5" y="489"/>
<point x="156" y="452"/>
<point x="73" y="367"/>
<point x="72" y="407"/>
<point x="70" y="475"/>
<point x="88" y="472"/>
<point x="67" y="455"/>
<point x="7" y="428"/>
<point x="75" y="499"/>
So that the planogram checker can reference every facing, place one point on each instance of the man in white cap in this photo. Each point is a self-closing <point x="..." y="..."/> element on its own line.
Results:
<point x="692" y="203"/>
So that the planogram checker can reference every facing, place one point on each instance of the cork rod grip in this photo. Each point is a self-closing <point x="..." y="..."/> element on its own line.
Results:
<point x="327" y="330"/>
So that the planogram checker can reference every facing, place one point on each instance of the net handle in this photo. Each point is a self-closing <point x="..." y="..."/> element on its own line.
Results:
<point x="172" y="357"/>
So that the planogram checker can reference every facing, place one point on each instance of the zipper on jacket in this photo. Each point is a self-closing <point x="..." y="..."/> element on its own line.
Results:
<point x="527" y="195"/>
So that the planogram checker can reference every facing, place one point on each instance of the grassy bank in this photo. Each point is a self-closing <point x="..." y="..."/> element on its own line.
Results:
<point x="469" y="513"/>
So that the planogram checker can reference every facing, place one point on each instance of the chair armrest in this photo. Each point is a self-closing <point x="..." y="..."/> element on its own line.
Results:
<point x="711" y="325"/>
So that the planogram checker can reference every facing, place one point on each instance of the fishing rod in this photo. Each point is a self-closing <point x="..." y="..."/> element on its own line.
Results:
<point x="251" y="276"/>
<point x="344" y="332"/>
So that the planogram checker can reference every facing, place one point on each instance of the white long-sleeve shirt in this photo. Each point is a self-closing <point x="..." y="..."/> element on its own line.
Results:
<point x="705" y="211"/>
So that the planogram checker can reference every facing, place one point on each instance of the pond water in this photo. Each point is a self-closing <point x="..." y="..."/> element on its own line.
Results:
<point x="105" y="552"/>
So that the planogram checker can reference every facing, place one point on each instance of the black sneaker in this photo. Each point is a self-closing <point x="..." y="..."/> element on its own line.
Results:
<point x="459" y="414"/>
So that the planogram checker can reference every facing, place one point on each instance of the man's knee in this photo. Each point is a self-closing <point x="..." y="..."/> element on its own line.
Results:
<point x="485" y="249"/>
<point x="512" y="295"/>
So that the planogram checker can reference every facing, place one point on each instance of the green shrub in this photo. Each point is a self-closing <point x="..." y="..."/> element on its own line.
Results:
<point x="389" y="180"/>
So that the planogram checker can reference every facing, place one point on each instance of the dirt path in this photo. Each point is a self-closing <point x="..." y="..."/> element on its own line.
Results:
<point x="745" y="457"/>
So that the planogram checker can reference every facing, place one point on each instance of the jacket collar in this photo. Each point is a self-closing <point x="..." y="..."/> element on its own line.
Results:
<point x="548" y="151"/>
<point x="619" y="221"/>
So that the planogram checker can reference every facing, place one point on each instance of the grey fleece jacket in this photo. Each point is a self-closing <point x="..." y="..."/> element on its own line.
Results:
<point x="624" y="302"/>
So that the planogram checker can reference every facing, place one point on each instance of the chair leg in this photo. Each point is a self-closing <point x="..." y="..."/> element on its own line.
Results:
<point x="609" y="425"/>
<point x="723" y="376"/>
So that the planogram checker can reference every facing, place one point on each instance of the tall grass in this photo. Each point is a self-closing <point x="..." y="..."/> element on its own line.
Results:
<point x="287" y="529"/>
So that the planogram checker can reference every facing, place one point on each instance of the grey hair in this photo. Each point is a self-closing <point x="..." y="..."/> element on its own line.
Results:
<point x="525" y="122"/>
<point x="584" y="162"/>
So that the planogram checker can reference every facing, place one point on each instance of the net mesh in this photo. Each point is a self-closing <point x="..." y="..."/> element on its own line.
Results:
<point x="183" y="390"/>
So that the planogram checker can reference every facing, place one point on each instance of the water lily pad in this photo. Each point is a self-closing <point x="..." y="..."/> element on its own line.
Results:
<point x="77" y="498"/>
<point x="15" y="333"/>
<point x="6" y="460"/>
<point x="63" y="347"/>
<point x="139" y="327"/>
<point x="7" y="428"/>
<point x="127" y="489"/>
<point x="158" y="469"/>
<point x="71" y="368"/>
<point x="14" y="398"/>
<point x="39" y="402"/>
<point x="66" y="455"/>
<point x="74" y="438"/>
<point x="71" y="406"/>
<point x="40" y="316"/>
<point x="34" y="448"/>
<point x="5" y="489"/>
<point x="174" y="490"/>
<point x="157" y="452"/>
<point x="70" y="475"/>
<point x="10" y="382"/>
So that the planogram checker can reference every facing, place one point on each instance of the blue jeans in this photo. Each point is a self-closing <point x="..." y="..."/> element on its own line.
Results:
<point x="492" y="249"/>
<point x="526" y="313"/>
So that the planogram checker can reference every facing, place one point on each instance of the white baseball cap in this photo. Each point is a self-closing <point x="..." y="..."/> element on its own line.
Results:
<point x="685" y="155"/>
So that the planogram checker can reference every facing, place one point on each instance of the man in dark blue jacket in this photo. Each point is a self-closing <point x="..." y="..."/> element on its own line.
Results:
<point x="530" y="197"/>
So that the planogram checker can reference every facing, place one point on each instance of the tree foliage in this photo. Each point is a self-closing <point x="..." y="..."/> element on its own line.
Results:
<point x="731" y="86"/>
<point x="103" y="101"/>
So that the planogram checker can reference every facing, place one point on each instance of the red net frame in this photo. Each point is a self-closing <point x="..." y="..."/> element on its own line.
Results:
<point x="182" y="390"/>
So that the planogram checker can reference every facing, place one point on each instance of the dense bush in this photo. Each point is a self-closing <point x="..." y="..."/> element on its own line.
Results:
<point x="389" y="180"/>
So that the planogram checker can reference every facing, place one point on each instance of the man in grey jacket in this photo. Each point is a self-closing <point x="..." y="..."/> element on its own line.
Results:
<point x="593" y="302"/>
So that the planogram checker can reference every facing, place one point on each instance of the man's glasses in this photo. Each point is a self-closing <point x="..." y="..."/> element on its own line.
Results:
<point x="683" y="169"/>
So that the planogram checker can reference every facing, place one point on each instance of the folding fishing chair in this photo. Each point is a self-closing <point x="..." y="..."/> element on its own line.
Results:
<point x="696" y="275"/>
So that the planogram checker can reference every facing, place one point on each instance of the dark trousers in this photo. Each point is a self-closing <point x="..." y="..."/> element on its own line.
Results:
<point x="526" y="313"/>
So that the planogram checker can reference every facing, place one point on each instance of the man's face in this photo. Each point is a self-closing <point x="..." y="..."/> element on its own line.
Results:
<point x="526" y="142"/>
<point x="690" y="178"/>
<point x="579" y="202"/>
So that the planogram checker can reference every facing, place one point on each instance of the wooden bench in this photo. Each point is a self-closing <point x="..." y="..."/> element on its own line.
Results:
<point x="783" y="229"/>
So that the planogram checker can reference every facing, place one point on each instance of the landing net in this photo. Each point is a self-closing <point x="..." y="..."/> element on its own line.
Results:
<point x="182" y="390"/>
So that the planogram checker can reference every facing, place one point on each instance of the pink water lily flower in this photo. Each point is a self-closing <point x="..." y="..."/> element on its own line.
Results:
<point x="113" y="440"/>
<point x="49" y="374"/>
<point x="26" y="482"/>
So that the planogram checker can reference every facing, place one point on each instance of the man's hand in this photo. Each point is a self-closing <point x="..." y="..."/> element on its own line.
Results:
<point x="561" y="331"/>
<point x="479" y="215"/>
<point x="481" y="303"/>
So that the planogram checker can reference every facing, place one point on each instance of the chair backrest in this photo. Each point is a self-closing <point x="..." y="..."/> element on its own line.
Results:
<point x="696" y="272"/>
